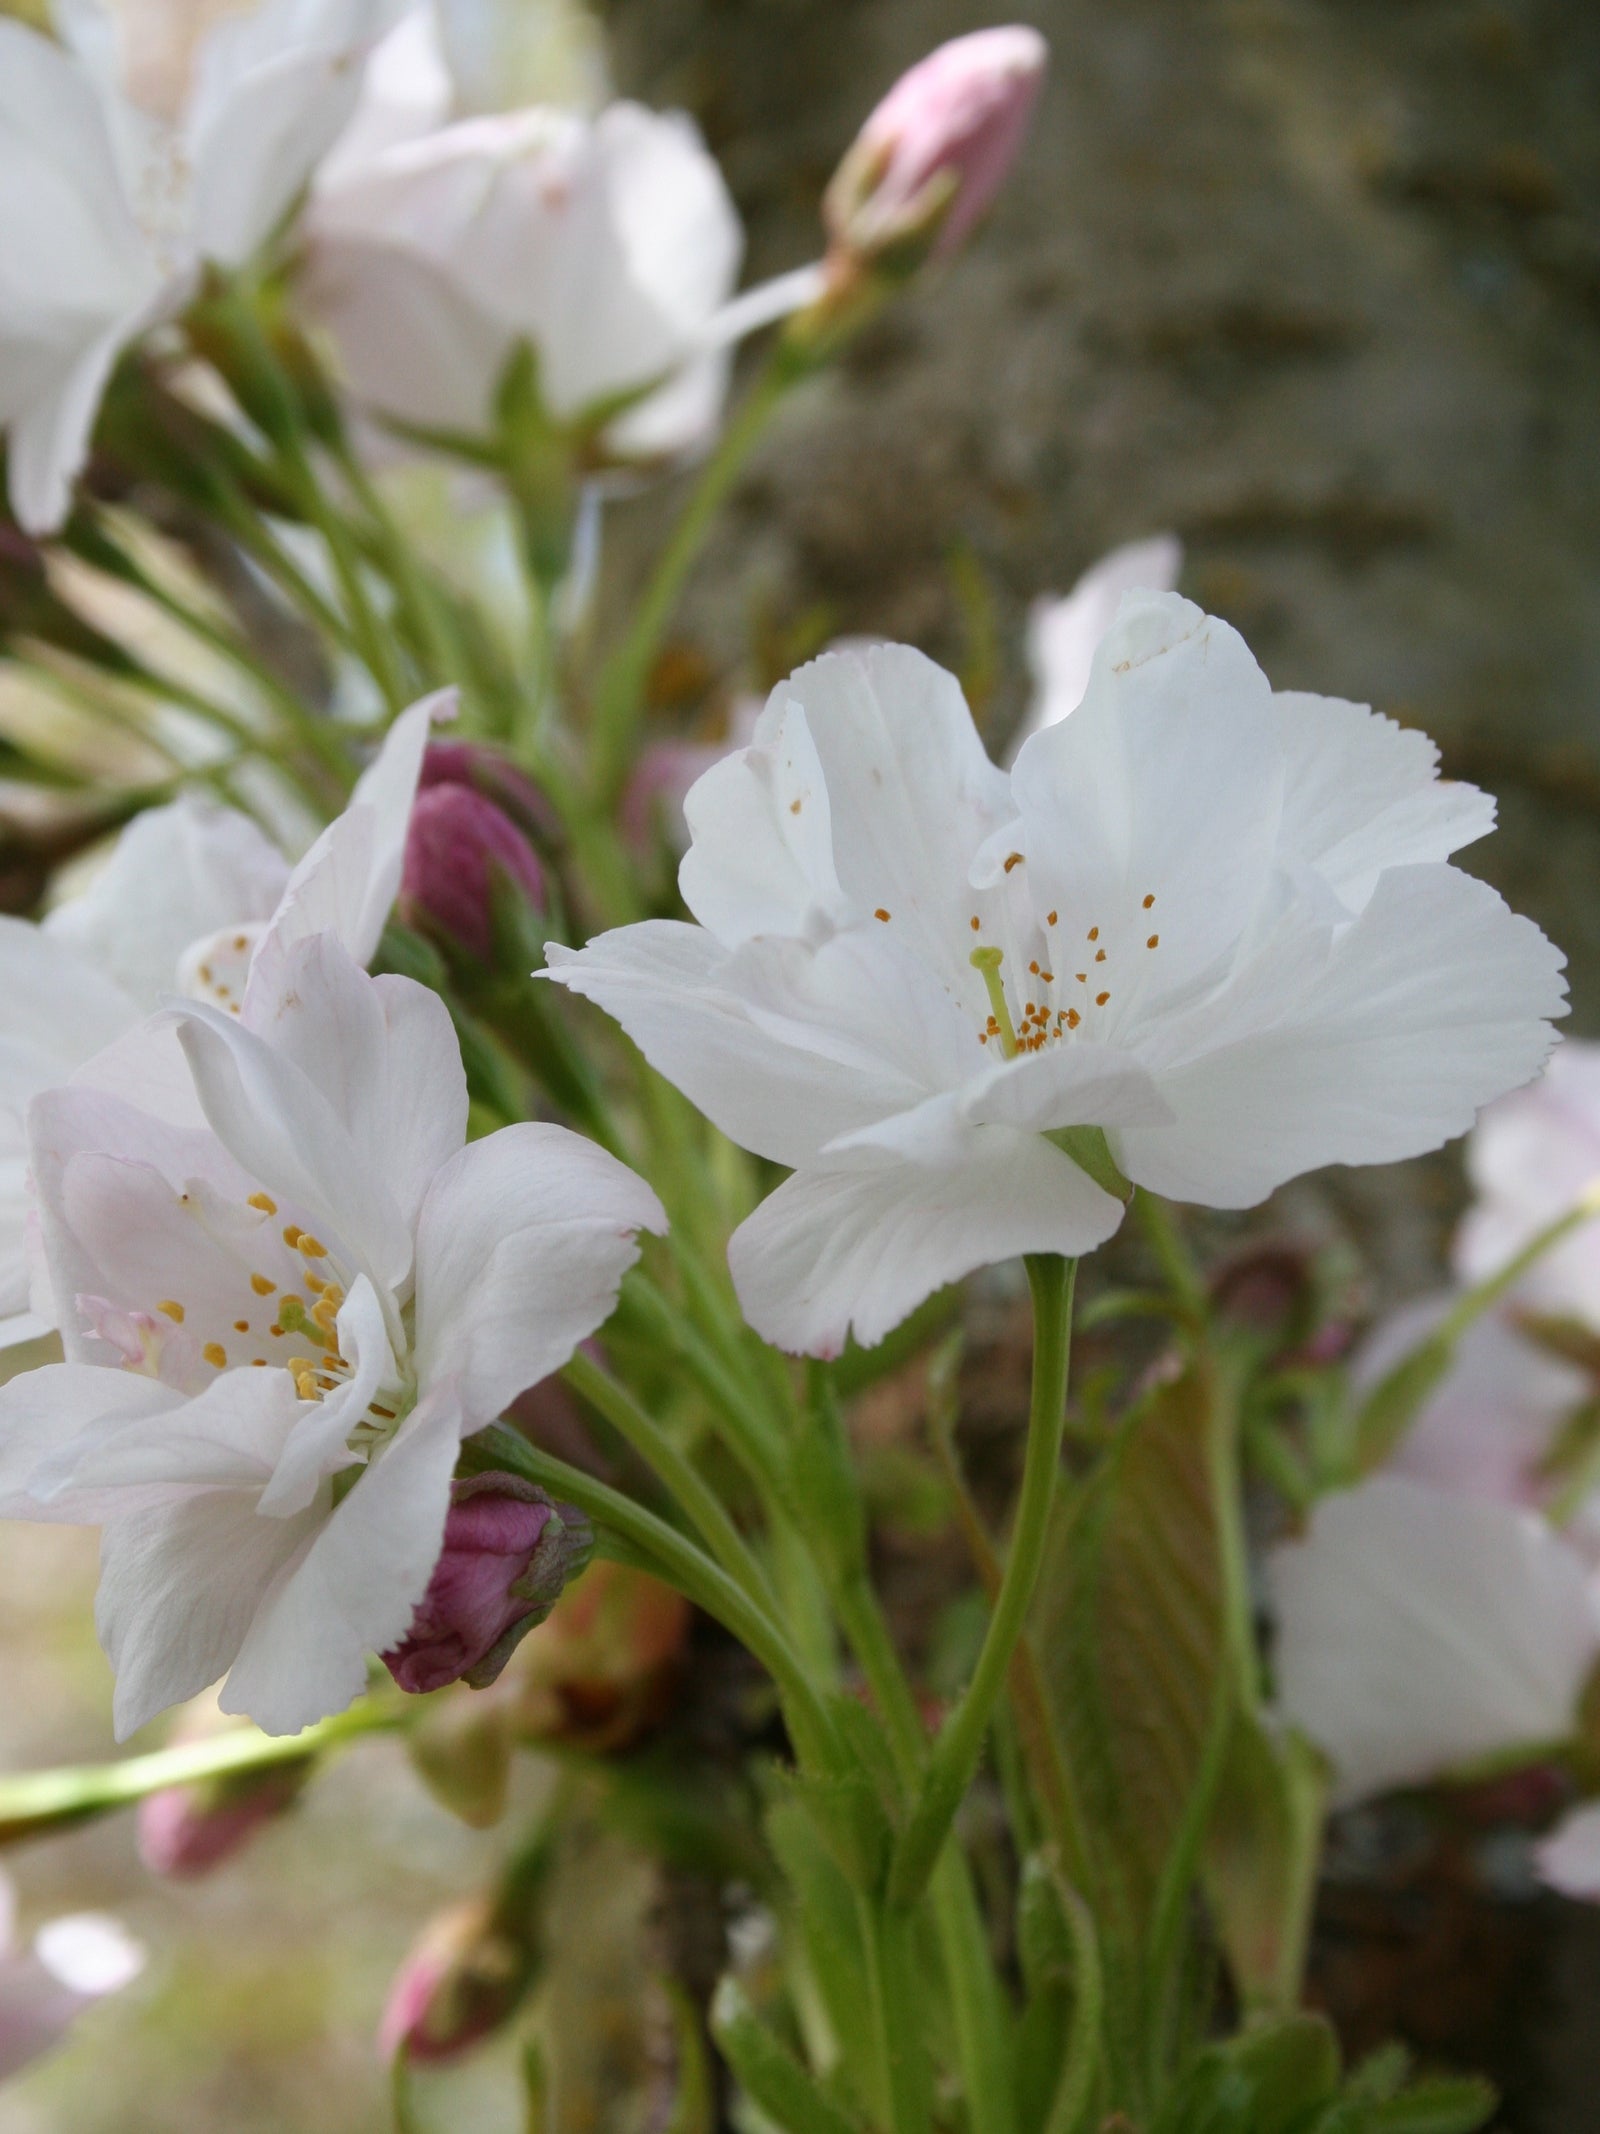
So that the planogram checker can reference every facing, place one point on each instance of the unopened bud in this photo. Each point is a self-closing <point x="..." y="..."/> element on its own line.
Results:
<point x="936" y="151"/>
<point x="492" y="773"/>
<point x="186" y="1831"/>
<point x="461" y="1981"/>
<point x="508" y="1552"/>
<point x="458" y="842"/>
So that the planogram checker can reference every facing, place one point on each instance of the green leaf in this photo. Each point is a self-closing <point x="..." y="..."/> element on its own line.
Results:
<point x="1458" y="2106"/>
<point x="770" y="2073"/>
<point x="1262" y="1845"/>
<point x="1127" y="1624"/>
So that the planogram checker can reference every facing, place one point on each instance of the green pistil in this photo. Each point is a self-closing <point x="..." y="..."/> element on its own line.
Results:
<point x="295" y="1319"/>
<point x="987" y="962"/>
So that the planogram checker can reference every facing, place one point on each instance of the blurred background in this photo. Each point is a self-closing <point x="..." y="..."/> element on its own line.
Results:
<point x="1314" y="284"/>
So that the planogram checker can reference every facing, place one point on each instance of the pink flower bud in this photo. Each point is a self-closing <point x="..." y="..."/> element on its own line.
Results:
<point x="460" y="1982"/>
<point x="508" y="1552"/>
<point x="185" y="1831"/>
<point x="458" y="841"/>
<point x="488" y="771"/>
<point x="935" y="152"/>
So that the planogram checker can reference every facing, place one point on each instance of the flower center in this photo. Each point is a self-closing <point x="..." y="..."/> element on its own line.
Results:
<point x="1054" y="1004"/>
<point x="265" y="1293"/>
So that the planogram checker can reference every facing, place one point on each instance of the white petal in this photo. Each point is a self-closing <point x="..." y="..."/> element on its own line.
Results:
<point x="109" y="1182"/>
<point x="1363" y="794"/>
<point x="785" y="1047"/>
<point x="319" y="1443"/>
<point x="760" y="859"/>
<point x="522" y="1247"/>
<point x="911" y="793"/>
<point x="1569" y="1859"/>
<point x="229" y="1437"/>
<point x="60" y="1011"/>
<point x="1165" y="784"/>
<point x="1063" y="634"/>
<point x="177" y="872"/>
<point x="273" y="91"/>
<point x="75" y="275"/>
<point x="47" y="1413"/>
<point x="856" y="1240"/>
<point x="1418" y="1630"/>
<point x="1373" y="1044"/>
<point x="287" y="1134"/>
<point x="382" y="1051"/>
<point x="179" y="1589"/>
<point x="347" y="882"/>
<point x="49" y="440"/>
<point x="354" y="1588"/>
<point x="406" y="92"/>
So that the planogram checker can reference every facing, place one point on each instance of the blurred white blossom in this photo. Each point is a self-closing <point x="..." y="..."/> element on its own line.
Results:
<point x="1063" y="633"/>
<point x="74" y="1961"/>
<point x="107" y="211"/>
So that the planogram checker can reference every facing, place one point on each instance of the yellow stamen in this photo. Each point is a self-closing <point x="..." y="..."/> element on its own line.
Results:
<point x="215" y="1353"/>
<point x="172" y="1308"/>
<point x="263" y="1201"/>
<point x="262" y="1287"/>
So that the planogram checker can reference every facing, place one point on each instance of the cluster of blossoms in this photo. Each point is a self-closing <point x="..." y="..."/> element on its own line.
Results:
<point x="294" y="1204"/>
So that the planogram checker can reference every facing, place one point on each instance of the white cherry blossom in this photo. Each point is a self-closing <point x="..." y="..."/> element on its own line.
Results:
<point x="1418" y="1629"/>
<point x="1215" y="923"/>
<point x="185" y="901"/>
<point x="279" y="1326"/>
<point x="1530" y="1159"/>
<point x="71" y="1963"/>
<point x="107" y="212"/>
<point x="609" y="244"/>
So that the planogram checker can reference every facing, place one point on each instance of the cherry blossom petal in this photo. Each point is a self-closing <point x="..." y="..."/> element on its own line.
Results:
<point x="1417" y="1630"/>
<point x="273" y="90"/>
<point x="384" y="1054"/>
<point x="354" y="1582"/>
<point x="760" y="859"/>
<point x="1361" y="1046"/>
<point x="1363" y="793"/>
<point x="53" y="1416"/>
<point x="523" y="1243"/>
<point x="782" y="1079"/>
<point x="347" y="882"/>
<point x="176" y="872"/>
<point x="1165" y="785"/>
<point x="286" y="1133"/>
<point x="180" y="1585"/>
<point x="856" y="1240"/>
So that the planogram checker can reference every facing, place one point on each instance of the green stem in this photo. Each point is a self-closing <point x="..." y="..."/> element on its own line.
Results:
<point x="620" y="693"/>
<point x="671" y="1467"/>
<point x="34" y="1803"/>
<point x="1081" y="2063"/>
<point x="1041" y="1748"/>
<point x="956" y="1752"/>
<point x="1176" y="1261"/>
